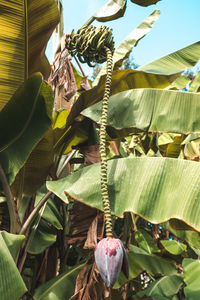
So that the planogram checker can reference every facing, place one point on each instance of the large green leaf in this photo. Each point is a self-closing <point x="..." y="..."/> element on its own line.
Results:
<point x="163" y="288"/>
<point x="156" y="188"/>
<point x="124" y="49"/>
<point x="175" y="62"/>
<point x="11" y="283"/>
<point x="140" y="260"/>
<point x="191" y="274"/>
<point x="112" y="10"/>
<point x="13" y="242"/>
<point x="122" y="80"/>
<point x="145" y="241"/>
<point x="37" y="167"/>
<point x="173" y="247"/>
<point x="24" y="121"/>
<point x="43" y="232"/>
<point x="25" y="27"/>
<point x="145" y="2"/>
<point x="191" y="237"/>
<point x="59" y="288"/>
<point x="152" y="110"/>
<point x="41" y="236"/>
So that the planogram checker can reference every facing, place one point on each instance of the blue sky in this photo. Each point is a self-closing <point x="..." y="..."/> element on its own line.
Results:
<point x="178" y="26"/>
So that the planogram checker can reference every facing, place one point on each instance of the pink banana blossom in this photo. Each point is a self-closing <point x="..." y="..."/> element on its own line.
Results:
<point x="111" y="258"/>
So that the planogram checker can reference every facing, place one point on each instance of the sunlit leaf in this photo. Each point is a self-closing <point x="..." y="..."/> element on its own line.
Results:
<point x="143" y="110"/>
<point x="112" y="10"/>
<point x="179" y="83"/>
<point x="25" y="27"/>
<point x="173" y="247"/>
<point x="156" y="188"/>
<point x="124" y="49"/>
<point x="11" y="283"/>
<point x="145" y="241"/>
<point x="59" y="288"/>
<point x="140" y="261"/>
<point x="175" y="62"/>
<point x="145" y="2"/>
<point x="195" y="84"/>
<point x="122" y="80"/>
<point x="191" y="274"/>
<point x="163" y="288"/>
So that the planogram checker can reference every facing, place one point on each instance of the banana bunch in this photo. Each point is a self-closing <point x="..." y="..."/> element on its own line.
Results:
<point x="90" y="43"/>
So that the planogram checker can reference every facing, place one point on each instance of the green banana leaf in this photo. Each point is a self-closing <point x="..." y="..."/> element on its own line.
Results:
<point x="191" y="237"/>
<point x="149" y="110"/>
<point x="59" y="288"/>
<point x="122" y="80"/>
<point x="174" y="62"/>
<point x="43" y="232"/>
<point x="37" y="167"/>
<point x="163" y="288"/>
<point x="23" y="123"/>
<point x="173" y="247"/>
<point x="156" y="188"/>
<point x="140" y="260"/>
<point x="11" y="283"/>
<point x="41" y="237"/>
<point x="179" y="83"/>
<point x="145" y="2"/>
<point x="145" y="241"/>
<point x="25" y="28"/>
<point x="191" y="269"/>
<point x="112" y="10"/>
<point x="13" y="242"/>
<point x="125" y="48"/>
<point x="195" y="84"/>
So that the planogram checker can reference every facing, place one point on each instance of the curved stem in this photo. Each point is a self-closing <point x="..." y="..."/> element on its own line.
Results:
<point x="41" y="202"/>
<point x="102" y="135"/>
<point x="14" y="217"/>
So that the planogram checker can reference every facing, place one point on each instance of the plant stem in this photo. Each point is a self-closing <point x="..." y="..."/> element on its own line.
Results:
<point x="44" y="199"/>
<point x="14" y="217"/>
<point x="90" y="21"/>
<point x="79" y="65"/>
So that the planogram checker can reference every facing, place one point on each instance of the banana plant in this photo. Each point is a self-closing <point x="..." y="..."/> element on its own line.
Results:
<point x="52" y="219"/>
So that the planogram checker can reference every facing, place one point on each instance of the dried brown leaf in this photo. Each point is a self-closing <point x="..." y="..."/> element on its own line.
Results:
<point x="90" y="285"/>
<point x="81" y="218"/>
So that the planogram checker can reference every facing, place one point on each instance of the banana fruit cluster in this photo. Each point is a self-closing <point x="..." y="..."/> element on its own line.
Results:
<point x="90" y="43"/>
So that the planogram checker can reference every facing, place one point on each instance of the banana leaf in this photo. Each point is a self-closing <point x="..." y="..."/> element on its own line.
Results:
<point x="174" y="62"/>
<point x="195" y="84"/>
<point x="112" y="10"/>
<point x="25" y="28"/>
<point x="149" y="110"/>
<point x="122" y="80"/>
<point x="59" y="288"/>
<point x="23" y="123"/>
<point x="191" y="268"/>
<point x="145" y="2"/>
<point x="37" y="167"/>
<point x="163" y="288"/>
<point x="124" y="49"/>
<point x="173" y="247"/>
<point x="13" y="242"/>
<point x="12" y="285"/>
<point x="155" y="188"/>
<point x="140" y="261"/>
